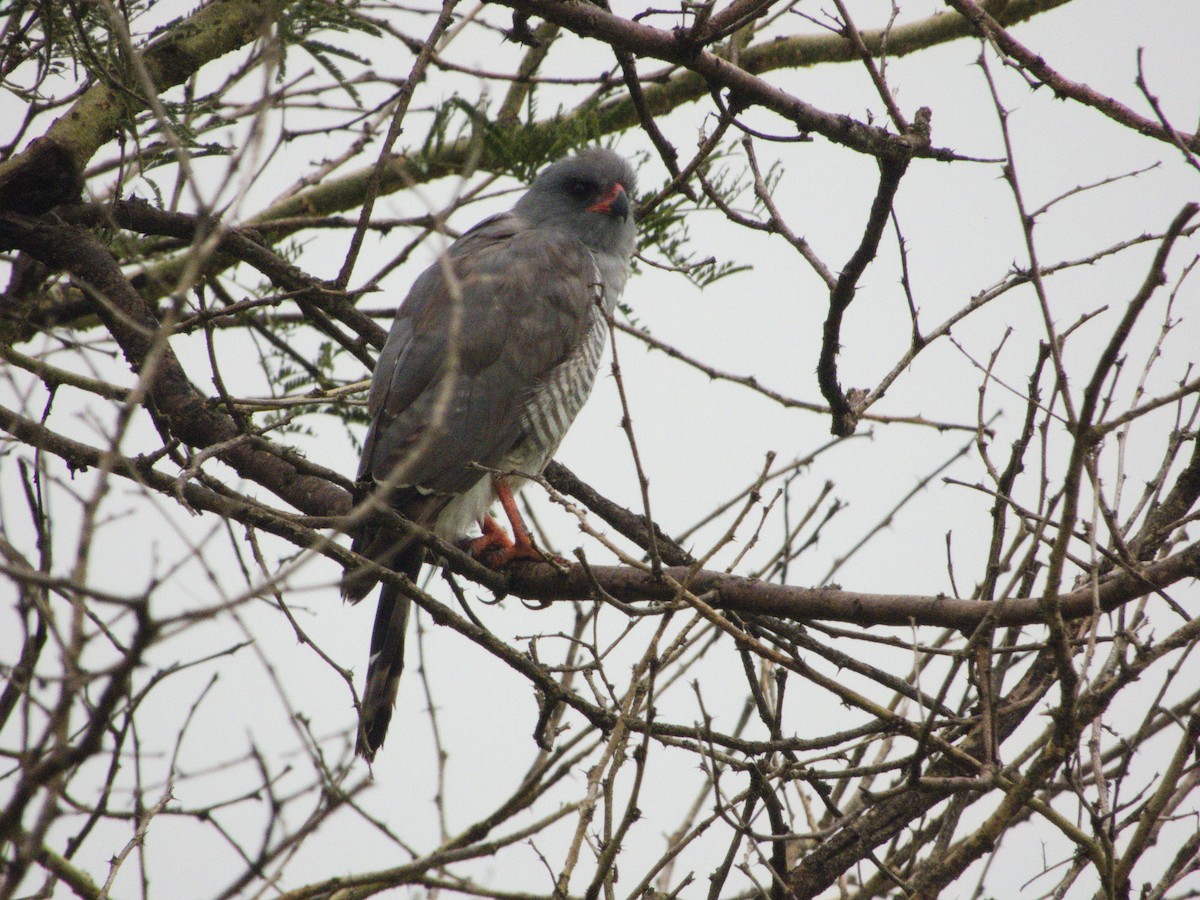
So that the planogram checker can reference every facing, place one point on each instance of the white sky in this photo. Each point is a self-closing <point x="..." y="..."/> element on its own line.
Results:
<point x="701" y="442"/>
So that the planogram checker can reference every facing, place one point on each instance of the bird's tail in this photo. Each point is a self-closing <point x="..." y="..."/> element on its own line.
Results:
<point x="387" y="654"/>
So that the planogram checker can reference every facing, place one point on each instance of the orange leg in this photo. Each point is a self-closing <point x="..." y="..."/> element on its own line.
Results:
<point x="502" y="549"/>
<point x="494" y="536"/>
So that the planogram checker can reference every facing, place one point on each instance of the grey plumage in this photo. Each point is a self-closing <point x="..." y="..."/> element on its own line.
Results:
<point x="490" y="357"/>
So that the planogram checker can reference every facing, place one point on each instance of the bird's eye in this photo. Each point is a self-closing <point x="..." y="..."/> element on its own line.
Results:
<point x="579" y="188"/>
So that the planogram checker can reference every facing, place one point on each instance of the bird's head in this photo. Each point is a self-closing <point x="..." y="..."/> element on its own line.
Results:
<point x="590" y="195"/>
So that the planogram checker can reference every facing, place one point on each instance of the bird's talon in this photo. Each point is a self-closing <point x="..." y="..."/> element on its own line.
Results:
<point x="498" y="559"/>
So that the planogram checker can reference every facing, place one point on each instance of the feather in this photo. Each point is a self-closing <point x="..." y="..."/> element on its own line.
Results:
<point x="490" y="357"/>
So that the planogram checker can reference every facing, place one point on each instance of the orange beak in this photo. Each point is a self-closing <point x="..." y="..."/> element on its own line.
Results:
<point x="615" y="203"/>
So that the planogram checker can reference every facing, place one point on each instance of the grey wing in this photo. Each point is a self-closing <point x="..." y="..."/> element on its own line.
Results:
<point x="466" y="352"/>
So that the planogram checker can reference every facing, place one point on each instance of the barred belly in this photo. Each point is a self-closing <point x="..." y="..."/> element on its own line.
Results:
<point x="549" y="412"/>
<point x="547" y="415"/>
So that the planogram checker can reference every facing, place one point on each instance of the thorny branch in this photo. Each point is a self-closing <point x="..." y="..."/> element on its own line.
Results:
<point x="175" y="380"/>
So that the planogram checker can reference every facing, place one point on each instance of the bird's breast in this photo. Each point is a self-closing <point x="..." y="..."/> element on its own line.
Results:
<point x="554" y="403"/>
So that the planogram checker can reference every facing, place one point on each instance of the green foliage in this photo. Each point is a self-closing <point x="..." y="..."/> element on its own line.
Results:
<point x="665" y="228"/>
<point x="58" y="36"/>
<point x="771" y="179"/>
<point x="520" y="149"/>
<point x="301" y="21"/>
<point x="291" y="372"/>
<point x="454" y="122"/>
<point x="155" y="155"/>
<point x="523" y="148"/>
<point x="325" y="54"/>
<point x="296" y="360"/>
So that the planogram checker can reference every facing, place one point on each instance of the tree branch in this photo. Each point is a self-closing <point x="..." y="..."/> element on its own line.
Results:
<point x="95" y="118"/>
<point x="188" y="414"/>
<point x="989" y="28"/>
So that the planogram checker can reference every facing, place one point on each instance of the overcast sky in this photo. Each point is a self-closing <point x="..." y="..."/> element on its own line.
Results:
<point x="701" y="441"/>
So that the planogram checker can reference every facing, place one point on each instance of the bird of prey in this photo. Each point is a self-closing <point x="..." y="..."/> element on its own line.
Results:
<point x="490" y="357"/>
